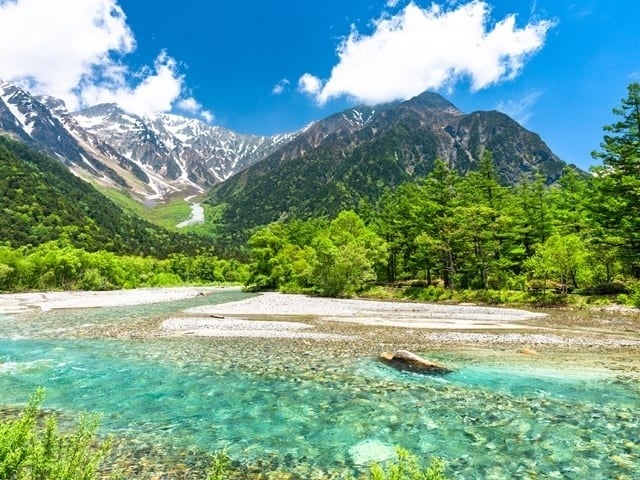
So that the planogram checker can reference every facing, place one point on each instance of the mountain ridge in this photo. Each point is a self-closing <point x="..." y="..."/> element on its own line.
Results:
<point x="337" y="163"/>
<point x="331" y="164"/>
<point x="152" y="157"/>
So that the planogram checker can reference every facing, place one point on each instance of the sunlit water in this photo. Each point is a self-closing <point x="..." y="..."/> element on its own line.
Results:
<point x="264" y="399"/>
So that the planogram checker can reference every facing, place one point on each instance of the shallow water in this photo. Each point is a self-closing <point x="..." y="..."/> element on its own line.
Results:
<point x="300" y="406"/>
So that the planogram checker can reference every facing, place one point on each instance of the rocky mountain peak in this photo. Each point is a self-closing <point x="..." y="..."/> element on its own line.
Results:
<point x="433" y="101"/>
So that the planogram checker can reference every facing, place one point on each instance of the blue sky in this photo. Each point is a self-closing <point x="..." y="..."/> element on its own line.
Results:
<point x="559" y="68"/>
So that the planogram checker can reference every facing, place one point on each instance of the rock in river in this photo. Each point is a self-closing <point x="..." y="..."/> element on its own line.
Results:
<point x="405" y="360"/>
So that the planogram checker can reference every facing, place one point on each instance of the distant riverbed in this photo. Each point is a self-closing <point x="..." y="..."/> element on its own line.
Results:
<point x="197" y="214"/>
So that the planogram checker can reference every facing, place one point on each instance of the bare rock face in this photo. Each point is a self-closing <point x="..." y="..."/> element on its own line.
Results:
<point x="405" y="360"/>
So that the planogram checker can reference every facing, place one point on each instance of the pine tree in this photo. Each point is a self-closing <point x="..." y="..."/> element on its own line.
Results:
<point x="617" y="206"/>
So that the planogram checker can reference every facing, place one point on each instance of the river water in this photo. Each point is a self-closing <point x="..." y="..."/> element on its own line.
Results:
<point x="311" y="406"/>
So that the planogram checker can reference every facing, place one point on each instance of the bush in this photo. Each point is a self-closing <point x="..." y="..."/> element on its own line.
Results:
<point x="220" y="466"/>
<point x="612" y="288"/>
<point x="28" y="452"/>
<point x="407" y="467"/>
<point x="165" y="280"/>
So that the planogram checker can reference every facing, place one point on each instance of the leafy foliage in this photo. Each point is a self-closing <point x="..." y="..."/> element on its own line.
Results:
<point x="336" y="259"/>
<point x="28" y="452"/>
<point x="55" y="265"/>
<point x="617" y="185"/>
<point x="42" y="201"/>
<point x="407" y="467"/>
<point x="220" y="466"/>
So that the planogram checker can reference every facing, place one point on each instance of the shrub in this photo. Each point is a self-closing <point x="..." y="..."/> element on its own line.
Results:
<point x="220" y="466"/>
<point x="28" y="452"/>
<point x="165" y="280"/>
<point x="611" y="288"/>
<point x="407" y="467"/>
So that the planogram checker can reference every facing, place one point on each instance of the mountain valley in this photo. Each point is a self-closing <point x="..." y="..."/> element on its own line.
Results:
<point x="330" y="165"/>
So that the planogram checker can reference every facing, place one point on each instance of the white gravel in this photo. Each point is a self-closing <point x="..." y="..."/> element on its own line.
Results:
<point x="21" y="302"/>
<point x="223" y="327"/>
<point x="369" y="312"/>
<point x="531" y="339"/>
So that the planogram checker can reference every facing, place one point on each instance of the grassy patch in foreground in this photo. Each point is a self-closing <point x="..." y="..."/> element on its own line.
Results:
<point x="31" y="451"/>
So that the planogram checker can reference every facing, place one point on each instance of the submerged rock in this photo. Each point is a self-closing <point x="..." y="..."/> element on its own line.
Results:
<point x="405" y="360"/>
<point x="369" y="451"/>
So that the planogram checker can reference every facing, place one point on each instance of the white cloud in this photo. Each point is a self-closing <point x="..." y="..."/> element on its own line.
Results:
<point x="157" y="90"/>
<point x="520" y="109"/>
<point x="392" y="3"/>
<point x="280" y="87"/>
<point x="207" y="116"/>
<point x="191" y="106"/>
<point x="74" y="50"/>
<point x="310" y="84"/>
<point x="428" y="48"/>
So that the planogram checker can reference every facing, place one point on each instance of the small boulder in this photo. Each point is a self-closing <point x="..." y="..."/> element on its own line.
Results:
<point x="405" y="360"/>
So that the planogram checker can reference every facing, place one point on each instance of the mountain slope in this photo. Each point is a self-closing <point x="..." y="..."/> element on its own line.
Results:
<point x="151" y="157"/>
<point x="43" y="201"/>
<point x="354" y="155"/>
<point x="29" y="120"/>
<point x="185" y="152"/>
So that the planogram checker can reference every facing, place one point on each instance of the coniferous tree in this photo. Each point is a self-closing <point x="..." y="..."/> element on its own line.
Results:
<point x="617" y="206"/>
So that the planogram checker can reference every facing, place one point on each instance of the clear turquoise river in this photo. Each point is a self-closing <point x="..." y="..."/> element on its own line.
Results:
<point x="298" y="405"/>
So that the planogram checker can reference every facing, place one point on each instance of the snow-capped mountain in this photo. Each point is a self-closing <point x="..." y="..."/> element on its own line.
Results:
<point x="151" y="156"/>
<point x="40" y="123"/>
<point x="181" y="149"/>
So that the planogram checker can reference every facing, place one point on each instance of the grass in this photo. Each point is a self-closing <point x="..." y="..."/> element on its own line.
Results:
<point x="514" y="298"/>
<point x="407" y="467"/>
<point x="167" y="214"/>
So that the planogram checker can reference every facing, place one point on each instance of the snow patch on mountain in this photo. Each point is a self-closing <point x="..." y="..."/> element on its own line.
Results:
<point x="14" y="99"/>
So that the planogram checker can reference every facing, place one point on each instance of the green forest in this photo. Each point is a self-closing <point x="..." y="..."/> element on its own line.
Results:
<point x="451" y="232"/>
<point x="442" y="235"/>
<point x="59" y="232"/>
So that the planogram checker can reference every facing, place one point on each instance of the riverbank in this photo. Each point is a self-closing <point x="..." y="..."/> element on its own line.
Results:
<point x="370" y="324"/>
<point x="373" y="313"/>
<point x="348" y="321"/>
<point x="14" y="303"/>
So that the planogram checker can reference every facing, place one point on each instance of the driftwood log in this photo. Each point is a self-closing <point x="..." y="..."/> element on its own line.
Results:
<point x="405" y="360"/>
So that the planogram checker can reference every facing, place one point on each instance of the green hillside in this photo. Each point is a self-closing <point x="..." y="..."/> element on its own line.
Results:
<point x="43" y="201"/>
<point x="345" y="161"/>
